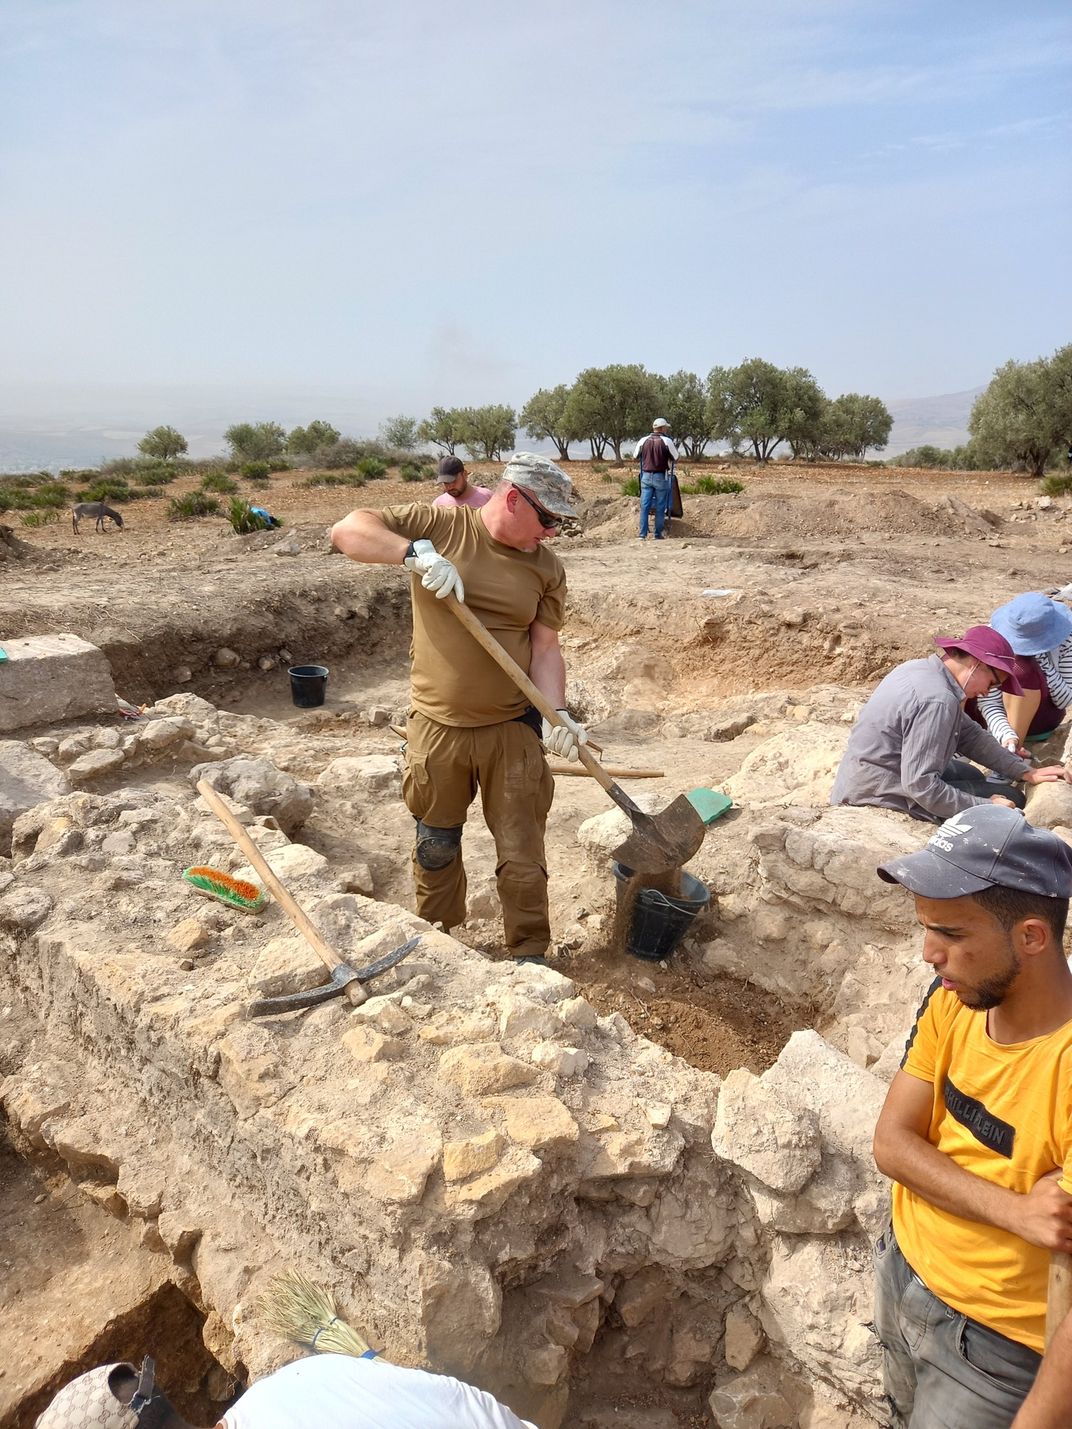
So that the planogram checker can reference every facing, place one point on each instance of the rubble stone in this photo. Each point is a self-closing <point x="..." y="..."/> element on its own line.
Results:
<point x="26" y="780"/>
<point x="260" y="787"/>
<point x="370" y="773"/>
<point x="94" y="765"/>
<point x="471" y="1156"/>
<point x="480" y="1068"/>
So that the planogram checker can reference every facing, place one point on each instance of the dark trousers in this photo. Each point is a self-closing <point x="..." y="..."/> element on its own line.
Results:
<point x="964" y="775"/>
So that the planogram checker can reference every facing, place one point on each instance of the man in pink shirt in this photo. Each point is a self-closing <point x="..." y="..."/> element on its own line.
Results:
<point x="454" y="479"/>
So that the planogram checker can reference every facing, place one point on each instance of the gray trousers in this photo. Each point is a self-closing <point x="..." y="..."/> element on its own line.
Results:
<point x="940" y="1369"/>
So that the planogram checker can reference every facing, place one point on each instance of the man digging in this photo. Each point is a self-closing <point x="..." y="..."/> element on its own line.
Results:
<point x="469" y="727"/>
<point x="976" y="1130"/>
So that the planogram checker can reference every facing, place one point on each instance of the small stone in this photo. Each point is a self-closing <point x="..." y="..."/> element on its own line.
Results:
<point x="106" y="739"/>
<point x="187" y="965"/>
<point x="471" y="1156"/>
<point x="365" y="1044"/>
<point x="182" y="675"/>
<point x="120" y="842"/>
<point x="378" y="715"/>
<point x="563" y="1061"/>
<point x="286" y="657"/>
<point x="95" y="764"/>
<point x="187" y="935"/>
<point x="358" y="879"/>
<point x="267" y="662"/>
<point x="659" y="1114"/>
<point x="539" y="1123"/>
<point x="289" y="547"/>
<point x="483" y="1067"/>
<point x="744" y="1337"/>
<point x="226" y="659"/>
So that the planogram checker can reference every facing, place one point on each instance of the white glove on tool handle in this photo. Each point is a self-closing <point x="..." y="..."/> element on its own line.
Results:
<point x="436" y="572"/>
<point x="564" y="739"/>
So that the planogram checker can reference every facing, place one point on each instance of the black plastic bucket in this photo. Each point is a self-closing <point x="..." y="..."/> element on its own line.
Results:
<point x="659" y="922"/>
<point x="308" y="684"/>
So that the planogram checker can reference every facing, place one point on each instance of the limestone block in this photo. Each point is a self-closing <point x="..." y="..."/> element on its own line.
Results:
<point x="250" y="1071"/>
<point x="293" y="864"/>
<point x="95" y="765"/>
<point x="482" y="1067"/>
<point x="286" y="965"/>
<point x="188" y="936"/>
<point x="157" y="735"/>
<point x="483" y="1195"/>
<point x="519" y="1014"/>
<point x="637" y="1297"/>
<point x="49" y="678"/>
<point x="744" y="1337"/>
<point x="386" y="1013"/>
<point x="817" y="1302"/>
<point x="79" y="1144"/>
<point x="25" y="908"/>
<point x="796" y="767"/>
<point x="261" y="787"/>
<point x="365" y="1044"/>
<point x="26" y="780"/>
<point x="449" y="1029"/>
<point x="562" y="1061"/>
<point x="759" y="1131"/>
<point x="362" y="774"/>
<point x="577" y="1012"/>
<point x="471" y="1156"/>
<point x="191" y="706"/>
<point x="400" y="1172"/>
<point x="1049" y="805"/>
<point x="541" y="1123"/>
<point x="753" y="1400"/>
<point x="632" y="1153"/>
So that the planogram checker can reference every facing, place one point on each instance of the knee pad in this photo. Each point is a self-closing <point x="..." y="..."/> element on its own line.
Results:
<point x="436" y="848"/>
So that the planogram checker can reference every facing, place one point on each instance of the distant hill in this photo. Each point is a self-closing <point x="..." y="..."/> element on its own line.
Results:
<point x="930" y="421"/>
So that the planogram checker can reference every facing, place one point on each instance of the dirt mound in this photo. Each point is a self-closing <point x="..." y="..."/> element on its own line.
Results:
<point x="11" y="548"/>
<point x="818" y="514"/>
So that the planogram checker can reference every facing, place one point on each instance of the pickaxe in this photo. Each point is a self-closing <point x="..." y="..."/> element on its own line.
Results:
<point x="345" y="980"/>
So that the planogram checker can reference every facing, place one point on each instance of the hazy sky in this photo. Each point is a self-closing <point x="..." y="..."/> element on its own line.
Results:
<point x="461" y="202"/>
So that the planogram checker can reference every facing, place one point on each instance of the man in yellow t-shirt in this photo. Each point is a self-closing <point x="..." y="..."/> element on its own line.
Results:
<point x="976" y="1131"/>
<point x="470" y="727"/>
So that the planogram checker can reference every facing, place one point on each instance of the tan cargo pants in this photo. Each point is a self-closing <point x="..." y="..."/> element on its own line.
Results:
<point x="445" y="766"/>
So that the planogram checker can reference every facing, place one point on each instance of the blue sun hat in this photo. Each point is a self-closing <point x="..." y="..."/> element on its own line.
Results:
<point x="1033" y="623"/>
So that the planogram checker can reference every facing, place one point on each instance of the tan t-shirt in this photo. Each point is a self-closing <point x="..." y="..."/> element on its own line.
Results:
<point x="453" y="680"/>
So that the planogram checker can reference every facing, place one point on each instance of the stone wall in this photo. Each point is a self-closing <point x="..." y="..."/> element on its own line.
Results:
<point x="495" y="1180"/>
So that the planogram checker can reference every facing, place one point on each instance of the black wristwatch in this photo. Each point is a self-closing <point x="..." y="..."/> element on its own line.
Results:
<point x="411" y="550"/>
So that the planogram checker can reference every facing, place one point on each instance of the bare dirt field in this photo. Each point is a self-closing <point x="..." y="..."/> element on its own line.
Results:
<point x="829" y="574"/>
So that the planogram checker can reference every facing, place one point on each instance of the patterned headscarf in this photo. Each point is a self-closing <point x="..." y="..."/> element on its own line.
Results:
<point x="89" y="1403"/>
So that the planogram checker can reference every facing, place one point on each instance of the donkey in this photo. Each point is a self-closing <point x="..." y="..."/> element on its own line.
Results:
<point x="98" y="511"/>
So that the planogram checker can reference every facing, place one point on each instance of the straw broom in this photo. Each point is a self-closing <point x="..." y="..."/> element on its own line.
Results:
<point x="308" y="1315"/>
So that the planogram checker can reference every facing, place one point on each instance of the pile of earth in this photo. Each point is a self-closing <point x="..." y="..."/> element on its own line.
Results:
<point x="820" y="514"/>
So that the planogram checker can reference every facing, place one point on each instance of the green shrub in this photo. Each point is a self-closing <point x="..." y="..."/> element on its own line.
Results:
<point x="608" y="478"/>
<point x="242" y="518"/>
<point x="109" y="490"/>
<point x="345" y="453"/>
<point x="599" y="467"/>
<point x="256" y="470"/>
<point x="279" y="463"/>
<point x="195" y="503"/>
<point x="12" y="499"/>
<point x="372" y="468"/>
<point x="47" y="516"/>
<point x="159" y="476"/>
<point x="1060" y="484"/>
<point x="631" y="486"/>
<point x="334" y="478"/>
<point x="415" y="471"/>
<point x="712" y="486"/>
<point x="87" y="473"/>
<point x="217" y="481"/>
<point x="55" y="494"/>
<point x="146" y="493"/>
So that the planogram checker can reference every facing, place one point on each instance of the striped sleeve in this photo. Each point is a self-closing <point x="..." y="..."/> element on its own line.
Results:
<point x="1058" y="673"/>
<point x="992" y="709"/>
<point x="918" y="1059"/>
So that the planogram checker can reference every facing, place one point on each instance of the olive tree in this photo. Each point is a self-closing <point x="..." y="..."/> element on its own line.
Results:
<point x="443" y="427"/>
<point x="255" y="441"/>
<point x="400" y="433"/>
<point x="763" y="405"/>
<point x="683" y="402"/>
<point x="488" y="431"/>
<point x="608" y="405"/>
<point x="852" y="424"/>
<point x="163" y="443"/>
<point x="546" y="416"/>
<point x="1025" y="414"/>
<point x="303" y="441"/>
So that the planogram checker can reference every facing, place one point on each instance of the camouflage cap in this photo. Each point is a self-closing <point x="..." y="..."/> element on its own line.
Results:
<point x="548" y="483"/>
<point x="89" y="1403"/>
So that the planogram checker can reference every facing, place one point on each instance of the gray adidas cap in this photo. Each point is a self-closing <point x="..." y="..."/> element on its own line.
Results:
<point x="548" y="483"/>
<point x="984" y="847"/>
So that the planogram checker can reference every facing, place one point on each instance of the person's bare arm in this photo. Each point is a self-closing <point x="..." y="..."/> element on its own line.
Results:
<point x="1049" y="1405"/>
<point x="547" y="667"/>
<point x="363" y="537"/>
<point x="902" y="1152"/>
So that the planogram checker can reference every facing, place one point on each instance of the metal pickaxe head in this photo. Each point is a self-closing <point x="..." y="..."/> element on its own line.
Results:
<point x="341" y="978"/>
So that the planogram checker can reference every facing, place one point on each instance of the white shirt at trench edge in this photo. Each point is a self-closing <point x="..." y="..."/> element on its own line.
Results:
<point x="341" y="1392"/>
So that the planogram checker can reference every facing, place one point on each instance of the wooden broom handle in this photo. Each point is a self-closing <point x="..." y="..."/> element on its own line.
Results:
<point x="1059" y="1294"/>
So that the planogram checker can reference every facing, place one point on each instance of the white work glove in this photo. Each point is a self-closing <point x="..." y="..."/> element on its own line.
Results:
<point x="435" y="571"/>
<point x="564" y="739"/>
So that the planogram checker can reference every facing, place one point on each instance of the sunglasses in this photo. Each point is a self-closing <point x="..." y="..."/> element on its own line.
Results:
<point x="545" y="518"/>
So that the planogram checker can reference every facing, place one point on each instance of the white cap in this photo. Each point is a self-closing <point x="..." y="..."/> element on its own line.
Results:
<point x="659" y="422"/>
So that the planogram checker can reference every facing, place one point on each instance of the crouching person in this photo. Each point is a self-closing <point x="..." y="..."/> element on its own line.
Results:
<point x="976" y="1130"/>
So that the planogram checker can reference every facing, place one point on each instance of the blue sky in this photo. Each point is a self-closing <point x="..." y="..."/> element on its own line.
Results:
<point x="461" y="202"/>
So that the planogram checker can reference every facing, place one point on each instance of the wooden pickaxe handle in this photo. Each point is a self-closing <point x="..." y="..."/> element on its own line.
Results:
<point x="1059" y="1293"/>
<point x="297" y="915"/>
<point x="533" y="694"/>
